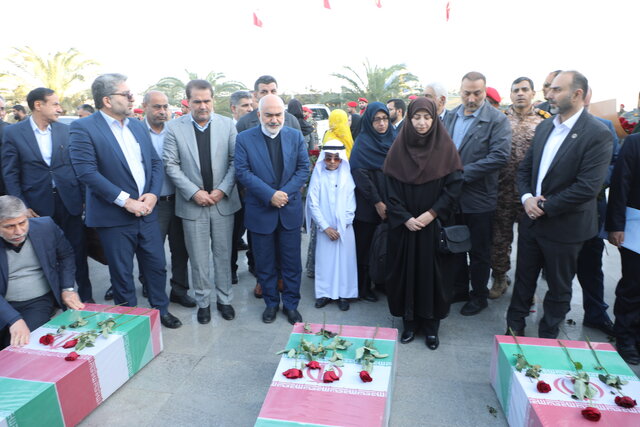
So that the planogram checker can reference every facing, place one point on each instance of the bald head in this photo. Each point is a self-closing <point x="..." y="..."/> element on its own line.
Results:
<point x="271" y="114"/>
<point x="156" y="108"/>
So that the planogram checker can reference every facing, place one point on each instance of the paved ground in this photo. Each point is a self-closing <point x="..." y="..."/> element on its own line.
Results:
<point x="218" y="374"/>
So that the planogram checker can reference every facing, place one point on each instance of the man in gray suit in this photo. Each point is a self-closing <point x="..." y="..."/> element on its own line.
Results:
<point x="482" y="135"/>
<point x="198" y="156"/>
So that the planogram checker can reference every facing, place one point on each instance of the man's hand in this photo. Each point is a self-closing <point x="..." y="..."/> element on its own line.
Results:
<point x="426" y="218"/>
<point x="19" y="333"/>
<point x="279" y="199"/>
<point x="32" y="214"/>
<point x="136" y="207"/>
<point x="616" y="238"/>
<point x="381" y="208"/>
<point x="216" y="195"/>
<point x="149" y="200"/>
<point x="72" y="300"/>
<point x="202" y="198"/>
<point x="332" y="233"/>
<point x="531" y="207"/>
<point x="413" y="224"/>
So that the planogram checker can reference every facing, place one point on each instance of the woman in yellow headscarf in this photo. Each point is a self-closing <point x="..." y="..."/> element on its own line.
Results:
<point x="339" y="129"/>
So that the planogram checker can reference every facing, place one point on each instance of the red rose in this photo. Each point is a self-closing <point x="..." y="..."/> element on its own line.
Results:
<point x="47" y="339"/>
<point x="365" y="377"/>
<point x="70" y="343"/>
<point x="625" y="402"/>
<point x="71" y="356"/>
<point x="330" y="376"/>
<point x="543" y="387"/>
<point x="591" y="413"/>
<point x="292" y="373"/>
<point x="313" y="365"/>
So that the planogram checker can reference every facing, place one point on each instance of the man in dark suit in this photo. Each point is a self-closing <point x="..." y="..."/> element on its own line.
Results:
<point x="558" y="181"/>
<point x="114" y="158"/>
<point x="37" y="169"/>
<point x="482" y="135"/>
<point x="36" y="272"/>
<point x="272" y="164"/>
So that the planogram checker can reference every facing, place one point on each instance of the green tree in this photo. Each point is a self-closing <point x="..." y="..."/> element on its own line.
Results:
<point x="377" y="83"/>
<point x="60" y="71"/>
<point x="174" y="88"/>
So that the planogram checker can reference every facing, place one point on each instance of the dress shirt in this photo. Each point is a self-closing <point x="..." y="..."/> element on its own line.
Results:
<point x="45" y="143"/>
<point x="132" y="154"/>
<point x="554" y="142"/>
<point x="157" y="139"/>
<point x="396" y="126"/>
<point x="201" y="128"/>
<point x="463" y="124"/>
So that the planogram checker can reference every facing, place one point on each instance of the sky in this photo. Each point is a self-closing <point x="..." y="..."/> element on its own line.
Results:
<point x="301" y="43"/>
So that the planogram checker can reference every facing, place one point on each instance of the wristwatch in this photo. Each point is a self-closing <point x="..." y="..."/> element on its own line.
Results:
<point x="540" y="204"/>
<point x="68" y="289"/>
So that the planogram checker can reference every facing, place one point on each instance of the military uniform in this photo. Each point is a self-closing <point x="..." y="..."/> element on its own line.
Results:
<point x="509" y="206"/>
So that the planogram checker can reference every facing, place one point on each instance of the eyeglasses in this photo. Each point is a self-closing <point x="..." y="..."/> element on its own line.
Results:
<point x="332" y="159"/>
<point x="128" y="95"/>
<point x="380" y="119"/>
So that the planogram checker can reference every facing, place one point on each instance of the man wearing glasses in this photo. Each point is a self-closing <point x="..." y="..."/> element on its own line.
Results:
<point x="114" y="158"/>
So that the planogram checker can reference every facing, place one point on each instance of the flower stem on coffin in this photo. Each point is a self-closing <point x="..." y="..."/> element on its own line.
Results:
<point x="532" y="371"/>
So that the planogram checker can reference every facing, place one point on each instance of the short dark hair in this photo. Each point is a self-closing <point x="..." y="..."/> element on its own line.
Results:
<point x="20" y="108"/>
<point x="474" y="75"/>
<point x="523" y="79"/>
<point x="265" y="80"/>
<point x="579" y="82"/>
<point x="38" y="94"/>
<point x="87" y="107"/>
<point x="398" y="104"/>
<point x="197" y="84"/>
<point x="236" y="96"/>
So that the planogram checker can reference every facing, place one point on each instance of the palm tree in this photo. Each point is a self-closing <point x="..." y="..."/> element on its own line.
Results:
<point x="174" y="88"/>
<point x="58" y="71"/>
<point x="377" y="83"/>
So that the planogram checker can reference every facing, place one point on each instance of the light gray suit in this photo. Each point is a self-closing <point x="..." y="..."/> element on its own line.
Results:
<point x="207" y="229"/>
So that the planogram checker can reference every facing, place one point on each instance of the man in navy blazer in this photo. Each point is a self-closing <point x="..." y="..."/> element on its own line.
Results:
<point x="37" y="169"/>
<point x="114" y="158"/>
<point x="272" y="163"/>
<point x="39" y="276"/>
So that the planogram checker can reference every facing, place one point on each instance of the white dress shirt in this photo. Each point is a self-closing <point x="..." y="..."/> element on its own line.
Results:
<point x="554" y="142"/>
<point x="132" y="154"/>
<point x="45" y="142"/>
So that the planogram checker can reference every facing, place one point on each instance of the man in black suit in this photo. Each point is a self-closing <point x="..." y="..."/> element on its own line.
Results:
<point x="558" y="181"/>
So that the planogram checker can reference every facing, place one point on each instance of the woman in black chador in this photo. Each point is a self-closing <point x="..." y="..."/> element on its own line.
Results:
<point x="424" y="180"/>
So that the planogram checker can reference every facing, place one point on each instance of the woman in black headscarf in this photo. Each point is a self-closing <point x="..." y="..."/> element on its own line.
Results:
<point x="369" y="151"/>
<point x="295" y="109"/>
<point x="424" y="181"/>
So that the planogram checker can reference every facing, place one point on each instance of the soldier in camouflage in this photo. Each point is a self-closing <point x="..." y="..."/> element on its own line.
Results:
<point x="523" y="118"/>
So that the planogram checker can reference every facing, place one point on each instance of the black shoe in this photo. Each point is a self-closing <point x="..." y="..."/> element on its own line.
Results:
<point x="407" y="336"/>
<point x="242" y="246"/>
<point x="108" y="296"/>
<point x="432" y="342"/>
<point x="184" y="300"/>
<point x="460" y="297"/>
<point x="473" y="307"/>
<point x="629" y="353"/>
<point x="606" y="327"/>
<point x="269" y="314"/>
<point x="343" y="304"/>
<point x="368" y="295"/>
<point x="293" y="316"/>
<point x="204" y="315"/>
<point x="170" y="321"/>
<point x="145" y="293"/>
<point x="234" y="278"/>
<point x="226" y="310"/>
<point x="321" y="302"/>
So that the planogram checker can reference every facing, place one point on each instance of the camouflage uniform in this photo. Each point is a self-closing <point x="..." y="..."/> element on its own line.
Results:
<point x="509" y="206"/>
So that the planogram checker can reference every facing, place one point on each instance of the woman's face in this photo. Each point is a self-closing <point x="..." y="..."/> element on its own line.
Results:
<point x="422" y="121"/>
<point x="381" y="122"/>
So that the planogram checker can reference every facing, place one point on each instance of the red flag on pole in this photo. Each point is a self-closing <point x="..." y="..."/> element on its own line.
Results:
<point x="326" y="4"/>
<point x="256" y="21"/>
<point x="448" y="10"/>
<point x="379" y="3"/>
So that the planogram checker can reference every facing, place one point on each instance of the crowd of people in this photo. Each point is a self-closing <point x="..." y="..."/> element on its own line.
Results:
<point x="390" y="183"/>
